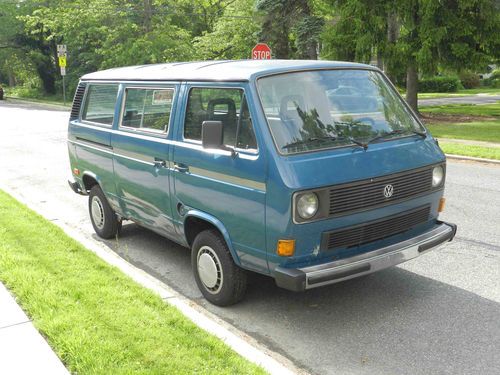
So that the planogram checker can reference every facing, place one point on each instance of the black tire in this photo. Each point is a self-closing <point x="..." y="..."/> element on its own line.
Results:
<point x="102" y="216"/>
<point x="231" y="280"/>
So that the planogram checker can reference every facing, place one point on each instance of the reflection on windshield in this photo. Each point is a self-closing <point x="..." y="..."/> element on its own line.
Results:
<point x="329" y="108"/>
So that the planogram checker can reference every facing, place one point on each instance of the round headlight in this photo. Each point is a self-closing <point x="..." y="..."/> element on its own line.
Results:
<point x="437" y="176"/>
<point x="307" y="205"/>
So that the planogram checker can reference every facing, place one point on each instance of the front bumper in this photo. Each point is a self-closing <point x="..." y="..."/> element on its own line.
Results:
<point x="75" y="186"/>
<point x="299" y="279"/>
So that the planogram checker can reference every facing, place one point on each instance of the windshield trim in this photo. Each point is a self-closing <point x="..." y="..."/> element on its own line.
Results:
<point x="368" y="68"/>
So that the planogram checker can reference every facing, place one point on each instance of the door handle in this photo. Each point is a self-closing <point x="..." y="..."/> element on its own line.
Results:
<point x="160" y="163"/>
<point x="180" y="167"/>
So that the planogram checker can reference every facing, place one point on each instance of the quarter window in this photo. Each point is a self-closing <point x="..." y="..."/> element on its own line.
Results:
<point x="147" y="109"/>
<point x="100" y="104"/>
<point x="226" y="105"/>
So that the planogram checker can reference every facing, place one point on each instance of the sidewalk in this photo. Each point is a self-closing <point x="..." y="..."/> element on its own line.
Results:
<point x="469" y="142"/>
<point x="23" y="350"/>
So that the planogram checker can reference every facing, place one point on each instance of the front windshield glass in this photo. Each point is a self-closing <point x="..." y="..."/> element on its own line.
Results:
<point x="321" y="109"/>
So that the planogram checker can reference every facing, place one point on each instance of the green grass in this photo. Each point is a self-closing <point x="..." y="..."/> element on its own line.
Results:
<point x="469" y="150"/>
<point x="488" y="131"/>
<point x="492" y="109"/>
<point x="97" y="319"/>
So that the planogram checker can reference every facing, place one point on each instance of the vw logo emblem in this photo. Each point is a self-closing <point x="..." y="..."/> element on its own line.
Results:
<point x="388" y="191"/>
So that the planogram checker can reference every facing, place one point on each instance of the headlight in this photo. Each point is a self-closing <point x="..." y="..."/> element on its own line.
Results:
<point x="307" y="205"/>
<point x="437" y="176"/>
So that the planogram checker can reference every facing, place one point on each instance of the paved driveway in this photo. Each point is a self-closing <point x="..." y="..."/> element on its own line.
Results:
<point x="439" y="313"/>
<point x="472" y="99"/>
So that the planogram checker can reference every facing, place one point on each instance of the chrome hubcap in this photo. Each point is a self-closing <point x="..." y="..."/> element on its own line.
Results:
<point x="97" y="212"/>
<point x="209" y="269"/>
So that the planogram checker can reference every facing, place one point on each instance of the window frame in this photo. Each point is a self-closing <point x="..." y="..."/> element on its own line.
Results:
<point x="84" y="106"/>
<point x="147" y="131"/>
<point x="253" y="151"/>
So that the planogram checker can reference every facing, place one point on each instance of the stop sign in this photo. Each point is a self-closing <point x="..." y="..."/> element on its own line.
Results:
<point x="261" y="52"/>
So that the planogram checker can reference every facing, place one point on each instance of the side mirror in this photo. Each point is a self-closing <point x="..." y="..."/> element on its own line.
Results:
<point x="212" y="136"/>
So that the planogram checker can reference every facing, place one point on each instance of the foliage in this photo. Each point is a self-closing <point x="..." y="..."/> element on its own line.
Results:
<point x="469" y="80"/>
<point x="407" y="38"/>
<point x="233" y="35"/>
<point x="440" y="84"/>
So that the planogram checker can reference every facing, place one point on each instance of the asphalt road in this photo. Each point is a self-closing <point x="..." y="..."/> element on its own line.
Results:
<point x="470" y="99"/>
<point x="439" y="313"/>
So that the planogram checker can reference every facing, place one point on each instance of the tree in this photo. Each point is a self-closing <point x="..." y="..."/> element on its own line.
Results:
<point x="417" y="35"/>
<point x="287" y="21"/>
<point x="233" y="36"/>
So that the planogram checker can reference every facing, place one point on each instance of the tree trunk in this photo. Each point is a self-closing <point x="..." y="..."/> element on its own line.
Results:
<point x="412" y="86"/>
<point x="147" y="15"/>
<point x="12" y="78"/>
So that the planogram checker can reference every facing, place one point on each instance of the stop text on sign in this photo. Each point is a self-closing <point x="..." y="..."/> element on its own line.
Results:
<point x="261" y="52"/>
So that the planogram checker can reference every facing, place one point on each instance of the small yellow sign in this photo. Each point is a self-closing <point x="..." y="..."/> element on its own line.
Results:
<point x="62" y="61"/>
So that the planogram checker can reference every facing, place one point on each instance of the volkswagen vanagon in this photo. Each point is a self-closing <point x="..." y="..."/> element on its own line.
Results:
<point x="310" y="172"/>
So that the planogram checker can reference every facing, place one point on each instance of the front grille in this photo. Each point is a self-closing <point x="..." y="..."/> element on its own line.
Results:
<point x="77" y="102"/>
<point x="361" y="195"/>
<point x="374" y="230"/>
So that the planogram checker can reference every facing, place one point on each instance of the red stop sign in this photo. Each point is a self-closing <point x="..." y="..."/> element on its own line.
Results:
<point x="261" y="52"/>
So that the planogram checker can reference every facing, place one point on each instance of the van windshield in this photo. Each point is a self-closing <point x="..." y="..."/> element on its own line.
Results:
<point x="321" y="109"/>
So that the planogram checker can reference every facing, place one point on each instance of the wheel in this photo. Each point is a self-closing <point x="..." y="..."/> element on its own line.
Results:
<point x="102" y="216"/>
<point x="219" y="279"/>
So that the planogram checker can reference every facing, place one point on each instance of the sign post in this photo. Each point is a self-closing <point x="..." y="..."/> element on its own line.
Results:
<point x="261" y="51"/>
<point x="61" y="54"/>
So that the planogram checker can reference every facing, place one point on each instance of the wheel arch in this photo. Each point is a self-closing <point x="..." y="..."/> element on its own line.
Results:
<point x="89" y="180"/>
<point x="196" y="221"/>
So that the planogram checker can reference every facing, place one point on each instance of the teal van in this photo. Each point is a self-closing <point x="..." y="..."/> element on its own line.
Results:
<point x="310" y="172"/>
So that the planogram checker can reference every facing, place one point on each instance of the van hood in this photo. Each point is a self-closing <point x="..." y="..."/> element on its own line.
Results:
<point x="346" y="164"/>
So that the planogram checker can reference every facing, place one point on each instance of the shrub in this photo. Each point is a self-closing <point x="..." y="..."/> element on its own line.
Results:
<point x="469" y="80"/>
<point x="494" y="80"/>
<point x="439" y="84"/>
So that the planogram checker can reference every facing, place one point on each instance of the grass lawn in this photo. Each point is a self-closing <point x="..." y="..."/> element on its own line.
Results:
<point x="97" y="319"/>
<point x="492" y="109"/>
<point x="488" y="131"/>
<point x="467" y="150"/>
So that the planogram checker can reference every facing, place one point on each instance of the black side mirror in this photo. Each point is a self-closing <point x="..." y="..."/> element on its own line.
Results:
<point x="212" y="136"/>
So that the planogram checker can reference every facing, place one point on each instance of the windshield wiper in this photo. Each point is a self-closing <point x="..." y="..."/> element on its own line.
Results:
<point x="308" y="140"/>
<point x="323" y="139"/>
<point x="396" y="132"/>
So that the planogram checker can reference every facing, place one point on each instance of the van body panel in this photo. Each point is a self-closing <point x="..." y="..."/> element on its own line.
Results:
<point x="160" y="180"/>
<point x="142" y="171"/>
<point x="93" y="151"/>
<point x="230" y="189"/>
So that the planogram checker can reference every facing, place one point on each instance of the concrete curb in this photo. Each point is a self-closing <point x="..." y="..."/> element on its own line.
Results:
<point x="237" y="340"/>
<point x="60" y="107"/>
<point x="471" y="158"/>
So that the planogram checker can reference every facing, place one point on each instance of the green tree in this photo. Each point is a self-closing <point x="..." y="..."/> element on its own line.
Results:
<point x="415" y="35"/>
<point x="234" y="34"/>
<point x="291" y="27"/>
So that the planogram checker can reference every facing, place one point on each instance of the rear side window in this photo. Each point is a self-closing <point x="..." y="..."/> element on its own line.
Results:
<point x="226" y="105"/>
<point x="100" y="104"/>
<point x="147" y="109"/>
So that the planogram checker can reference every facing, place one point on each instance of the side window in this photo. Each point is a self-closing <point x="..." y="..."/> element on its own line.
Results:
<point x="147" y="109"/>
<point x="226" y="105"/>
<point x="100" y="104"/>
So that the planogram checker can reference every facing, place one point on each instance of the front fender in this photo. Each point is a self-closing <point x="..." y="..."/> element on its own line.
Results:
<point x="218" y="224"/>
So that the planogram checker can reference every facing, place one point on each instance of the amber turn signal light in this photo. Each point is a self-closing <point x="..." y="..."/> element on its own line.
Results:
<point x="76" y="171"/>
<point x="286" y="248"/>
<point x="442" y="202"/>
